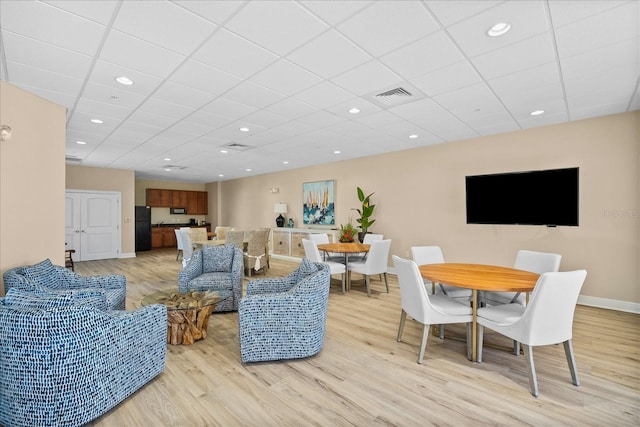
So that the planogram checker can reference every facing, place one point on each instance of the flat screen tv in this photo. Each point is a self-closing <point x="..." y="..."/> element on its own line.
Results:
<point x="544" y="197"/>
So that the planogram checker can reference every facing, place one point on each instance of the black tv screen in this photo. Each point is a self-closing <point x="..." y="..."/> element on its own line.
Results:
<point x="545" y="197"/>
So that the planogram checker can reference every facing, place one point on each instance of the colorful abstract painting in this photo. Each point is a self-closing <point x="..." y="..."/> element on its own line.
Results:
<point x="318" y="203"/>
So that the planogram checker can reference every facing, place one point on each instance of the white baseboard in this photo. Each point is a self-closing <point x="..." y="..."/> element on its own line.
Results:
<point x="127" y="255"/>
<point x="611" y="304"/>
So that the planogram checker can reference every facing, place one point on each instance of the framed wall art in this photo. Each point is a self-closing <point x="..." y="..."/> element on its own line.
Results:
<point x="318" y="203"/>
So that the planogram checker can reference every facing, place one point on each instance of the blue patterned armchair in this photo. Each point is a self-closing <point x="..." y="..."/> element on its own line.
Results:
<point x="215" y="268"/>
<point x="45" y="275"/>
<point x="64" y="362"/>
<point x="284" y="318"/>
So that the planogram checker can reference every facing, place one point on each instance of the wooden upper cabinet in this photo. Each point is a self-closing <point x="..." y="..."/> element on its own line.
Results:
<point x="203" y="202"/>
<point x="196" y="202"/>
<point x="179" y="199"/>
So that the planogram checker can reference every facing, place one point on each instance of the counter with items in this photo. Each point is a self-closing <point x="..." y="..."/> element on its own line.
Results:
<point x="164" y="236"/>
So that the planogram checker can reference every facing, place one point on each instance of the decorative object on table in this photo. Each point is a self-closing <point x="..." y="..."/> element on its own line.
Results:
<point x="347" y="233"/>
<point x="66" y="364"/>
<point x="285" y="317"/>
<point x="215" y="268"/>
<point x="365" y="213"/>
<point x="318" y="203"/>
<point x="291" y="223"/>
<point x="280" y="208"/>
<point x="187" y="314"/>
<point x="46" y="276"/>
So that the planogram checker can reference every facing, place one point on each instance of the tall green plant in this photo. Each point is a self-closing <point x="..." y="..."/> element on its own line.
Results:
<point x="366" y="211"/>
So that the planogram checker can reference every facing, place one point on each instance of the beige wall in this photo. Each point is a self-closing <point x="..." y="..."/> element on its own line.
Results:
<point x="31" y="179"/>
<point x="103" y="179"/>
<point x="420" y="198"/>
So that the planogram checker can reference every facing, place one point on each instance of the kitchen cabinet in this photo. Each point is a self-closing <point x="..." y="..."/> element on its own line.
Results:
<point x="196" y="202"/>
<point x="163" y="237"/>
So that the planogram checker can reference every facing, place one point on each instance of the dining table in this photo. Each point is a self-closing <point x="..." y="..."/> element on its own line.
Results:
<point x="345" y="248"/>
<point x="479" y="277"/>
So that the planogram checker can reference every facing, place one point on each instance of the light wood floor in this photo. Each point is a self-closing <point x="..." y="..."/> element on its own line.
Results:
<point x="364" y="377"/>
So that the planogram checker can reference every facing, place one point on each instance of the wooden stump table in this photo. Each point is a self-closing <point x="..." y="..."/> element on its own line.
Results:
<point x="187" y="314"/>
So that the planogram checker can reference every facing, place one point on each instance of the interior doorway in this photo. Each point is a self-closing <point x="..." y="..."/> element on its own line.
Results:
<point x="92" y="224"/>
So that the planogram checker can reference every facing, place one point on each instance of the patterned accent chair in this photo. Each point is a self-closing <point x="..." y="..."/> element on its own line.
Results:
<point x="46" y="276"/>
<point x="64" y="362"/>
<point x="215" y="268"/>
<point x="284" y="318"/>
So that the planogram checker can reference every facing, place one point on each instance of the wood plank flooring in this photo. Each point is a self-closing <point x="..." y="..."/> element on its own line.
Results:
<point x="364" y="377"/>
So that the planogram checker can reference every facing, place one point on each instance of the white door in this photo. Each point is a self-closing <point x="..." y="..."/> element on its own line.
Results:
<point x="92" y="225"/>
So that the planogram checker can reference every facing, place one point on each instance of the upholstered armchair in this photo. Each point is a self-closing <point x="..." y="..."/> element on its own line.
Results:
<point x="215" y="268"/>
<point x="284" y="318"/>
<point x="45" y="275"/>
<point x="65" y="363"/>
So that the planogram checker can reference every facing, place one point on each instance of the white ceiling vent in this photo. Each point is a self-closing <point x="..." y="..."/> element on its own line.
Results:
<point x="173" y="167"/>
<point x="396" y="96"/>
<point x="238" y="147"/>
<point x="72" y="159"/>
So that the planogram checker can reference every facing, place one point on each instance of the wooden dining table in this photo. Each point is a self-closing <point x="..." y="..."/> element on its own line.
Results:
<point x="345" y="248"/>
<point x="479" y="277"/>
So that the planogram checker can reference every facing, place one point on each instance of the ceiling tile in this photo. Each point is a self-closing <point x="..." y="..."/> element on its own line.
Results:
<point x="272" y="27"/>
<point x="100" y="11"/>
<point x="285" y="77"/>
<point x="324" y="95"/>
<point x="446" y="79"/>
<point x="450" y="12"/>
<point x="527" y="19"/>
<point x="253" y="95"/>
<point x="329" y="54"/>
<point x="335" y="12"/>
<point x="43" y="22"/>
<point x="214" y="11"/>
<point x="431" y="53"/>
<point x="139" y="55"/>
<point x="149" y="21"/>
<point x="233" y="54"/>
<point x="367" y="78"/>
<point x="389" y="25"/>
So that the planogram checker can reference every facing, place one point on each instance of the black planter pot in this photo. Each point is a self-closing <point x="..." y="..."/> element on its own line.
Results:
<point x="361" y="236"/>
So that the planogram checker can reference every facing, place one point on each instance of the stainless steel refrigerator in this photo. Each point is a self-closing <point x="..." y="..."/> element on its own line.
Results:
<point x="143" y="228"/>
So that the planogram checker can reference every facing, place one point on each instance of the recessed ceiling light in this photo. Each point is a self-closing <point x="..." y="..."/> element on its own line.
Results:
<point x="244" y="129"/>
<point x="224" y="151"/>
<point x="220" y="175"/>
<point x="413" y="136"/>
<point x="167" y="169"/>
<point x="354" y="110"/>
<point x="499" y="29"/>
<point x="166" y="159"/>
<point x="124" y="80"/>
<point x="337" y="152"/>
<point x="536" y="113"/>
<point x="98" y="121"/>
<point x="284" y="162"/>
<point x="248" y="169"/>
<point x="80" y="142"/>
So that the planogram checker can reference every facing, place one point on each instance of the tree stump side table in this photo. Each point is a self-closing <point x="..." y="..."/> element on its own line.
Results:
<point x="187" y="314"/>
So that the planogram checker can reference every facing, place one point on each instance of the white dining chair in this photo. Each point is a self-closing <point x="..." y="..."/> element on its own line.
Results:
<point x="322" y="238"/>
<point x="187" y="246"/>
<point x="425" y="308"/>
<point x="537" y="262"/>
<point x="368" y="238"/>
<point x="433" y="255"/>
<point x="179" y="243"/>
<point x="547" y="319"/>
<point x="313" y="254"/>
<point x="376" y="263"/>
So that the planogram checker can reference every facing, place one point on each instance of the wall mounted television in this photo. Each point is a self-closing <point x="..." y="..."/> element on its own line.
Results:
<point x="543" y="197"/>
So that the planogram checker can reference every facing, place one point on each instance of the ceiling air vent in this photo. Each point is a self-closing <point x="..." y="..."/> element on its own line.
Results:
<point x="173" y="167"/>
<point x="397" y="96"/>
<point x="72" y="159"/>
<point x="238" y="147"/>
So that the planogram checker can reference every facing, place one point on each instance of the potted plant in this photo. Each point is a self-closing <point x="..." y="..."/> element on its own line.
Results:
<point x="347" y="233"/>
<point x="365" y="213"/>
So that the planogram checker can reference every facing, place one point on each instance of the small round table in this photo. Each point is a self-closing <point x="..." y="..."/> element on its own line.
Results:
<point x="187" y="314"/>
<point x="346" y="249"/>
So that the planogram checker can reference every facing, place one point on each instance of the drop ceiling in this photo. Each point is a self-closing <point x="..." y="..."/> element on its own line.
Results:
<point x="290" y="71"/>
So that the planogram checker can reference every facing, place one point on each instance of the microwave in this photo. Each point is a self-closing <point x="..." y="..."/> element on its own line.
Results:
<point x="178" y="211"/>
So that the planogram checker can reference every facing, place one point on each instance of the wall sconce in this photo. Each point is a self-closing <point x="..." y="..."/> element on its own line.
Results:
<point x="280" y="208"/>
<point x="274" y="190"/>
<point x="5" y="132"/>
